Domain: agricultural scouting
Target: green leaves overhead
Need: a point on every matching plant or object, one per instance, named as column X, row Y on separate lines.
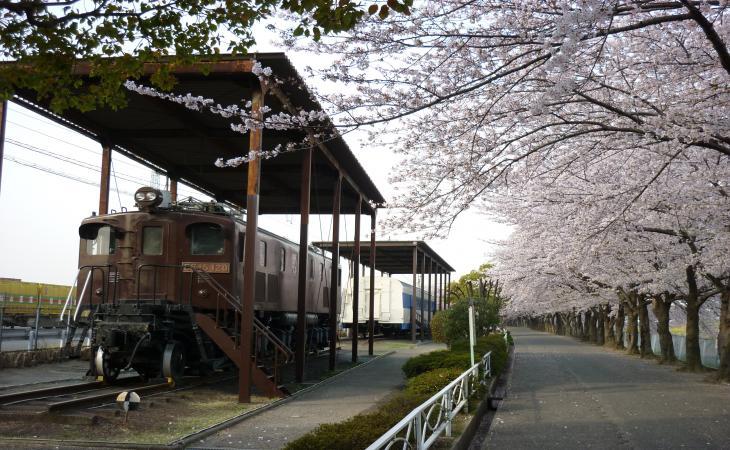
column 116, row 38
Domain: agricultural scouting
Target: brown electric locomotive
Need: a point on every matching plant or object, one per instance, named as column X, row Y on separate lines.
column 150, row 280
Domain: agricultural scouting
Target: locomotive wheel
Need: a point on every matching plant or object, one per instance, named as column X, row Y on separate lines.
column 173, row 361
column 104, row 365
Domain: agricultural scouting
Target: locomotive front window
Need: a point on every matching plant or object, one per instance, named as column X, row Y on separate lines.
column 152, row 241
column 105, row 242
column 206, row 239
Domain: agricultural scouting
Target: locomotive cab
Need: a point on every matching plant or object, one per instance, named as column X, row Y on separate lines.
column 150, row 279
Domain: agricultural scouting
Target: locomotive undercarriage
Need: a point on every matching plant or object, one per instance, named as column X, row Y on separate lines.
column 153, row 339
column 162, row 340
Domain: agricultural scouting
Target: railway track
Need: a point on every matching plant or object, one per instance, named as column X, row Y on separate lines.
column 76, row 396
column 87, row 396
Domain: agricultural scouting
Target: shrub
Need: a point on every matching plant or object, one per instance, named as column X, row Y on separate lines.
column 493, row 342
column 361, row 430
column 438, row 324
column 436, row 360
column 429, row 383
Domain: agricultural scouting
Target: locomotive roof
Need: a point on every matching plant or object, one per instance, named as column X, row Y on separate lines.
column 183, row 143
column 394, row 257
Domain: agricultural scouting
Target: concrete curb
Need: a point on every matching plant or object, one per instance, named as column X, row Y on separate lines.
column 482, row 420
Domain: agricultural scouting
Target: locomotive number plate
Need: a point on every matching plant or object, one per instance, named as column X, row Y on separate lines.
column 210, row 267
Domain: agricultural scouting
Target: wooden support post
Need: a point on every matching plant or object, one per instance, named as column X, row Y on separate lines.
column 301, row 331
column 421, row 329
column 106, row 163
column 430, row 292
column 413, row 293
column 3, row 125
column 356, row 279
column 440, row 281
column 371, row 309
column 251, row 245
column 447, row 299
column 334, row 288
column 173, row 190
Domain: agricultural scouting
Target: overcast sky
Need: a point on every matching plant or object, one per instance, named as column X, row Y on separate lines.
column 50, row 183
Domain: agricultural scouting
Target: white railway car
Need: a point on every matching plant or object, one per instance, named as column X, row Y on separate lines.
column 393, row 300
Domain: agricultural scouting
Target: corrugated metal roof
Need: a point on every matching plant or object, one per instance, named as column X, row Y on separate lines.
column 185, row 143
column 395, row 257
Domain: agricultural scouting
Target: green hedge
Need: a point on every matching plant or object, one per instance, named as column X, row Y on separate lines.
column 436, row 360
column 361, row 430
column 427, row 374
column 458, row 356
column 429, row 383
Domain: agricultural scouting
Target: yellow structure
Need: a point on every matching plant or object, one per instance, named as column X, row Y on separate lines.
column 22, row 297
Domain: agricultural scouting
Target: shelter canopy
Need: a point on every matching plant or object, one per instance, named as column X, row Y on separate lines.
column 394, row 257
column 184, row 144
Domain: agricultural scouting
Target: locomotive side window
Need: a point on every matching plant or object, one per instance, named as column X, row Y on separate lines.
column 321, row 271
column 152, row 241
column 282, row 260
column 311, row 269
column 206, row 239
column 262, row 253
column 105, row 242
column 241, row 243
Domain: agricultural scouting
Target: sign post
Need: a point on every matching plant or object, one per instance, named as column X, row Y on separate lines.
column 471, row 329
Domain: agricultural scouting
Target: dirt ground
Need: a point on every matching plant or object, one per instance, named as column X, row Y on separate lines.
column 159, row 420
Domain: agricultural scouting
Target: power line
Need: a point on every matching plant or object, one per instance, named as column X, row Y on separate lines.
column 123, row 176
column 67, row 159
column 75, row 145
column 54, row 172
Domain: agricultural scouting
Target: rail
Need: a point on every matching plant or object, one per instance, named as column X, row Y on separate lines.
column 422, row 426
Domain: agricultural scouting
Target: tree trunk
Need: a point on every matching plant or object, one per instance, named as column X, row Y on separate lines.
column 559, row 326
column 661, row 311
column 694, row 360
column 608, row 338
column 631, row 329
column 644, row 330
column 600, row 338
column 723, row 338
column 590, row 326
column 619, row 321
column 579, row 325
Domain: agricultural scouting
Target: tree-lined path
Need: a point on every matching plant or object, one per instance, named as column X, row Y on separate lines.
column 571, row 395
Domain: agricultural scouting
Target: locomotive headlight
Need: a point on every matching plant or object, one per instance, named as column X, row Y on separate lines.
column 148, row 197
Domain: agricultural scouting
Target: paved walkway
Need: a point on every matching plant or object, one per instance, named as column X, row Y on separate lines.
column 565, row 394
column 338, row 400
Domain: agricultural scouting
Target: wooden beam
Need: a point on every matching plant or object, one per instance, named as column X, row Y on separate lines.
column 413, row 293
column 371, row 309
column 301, row 330
column 334, row 285
column 356, row 279
column 323, row 148
column 423, row 297
column 3, row 124
column 173, row 190
column 251, row 245
column 106, row 163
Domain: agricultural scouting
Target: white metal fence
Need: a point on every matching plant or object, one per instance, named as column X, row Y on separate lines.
column 422, row 426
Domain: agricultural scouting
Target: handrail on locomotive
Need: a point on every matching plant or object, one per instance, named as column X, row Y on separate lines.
column 262, row 334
